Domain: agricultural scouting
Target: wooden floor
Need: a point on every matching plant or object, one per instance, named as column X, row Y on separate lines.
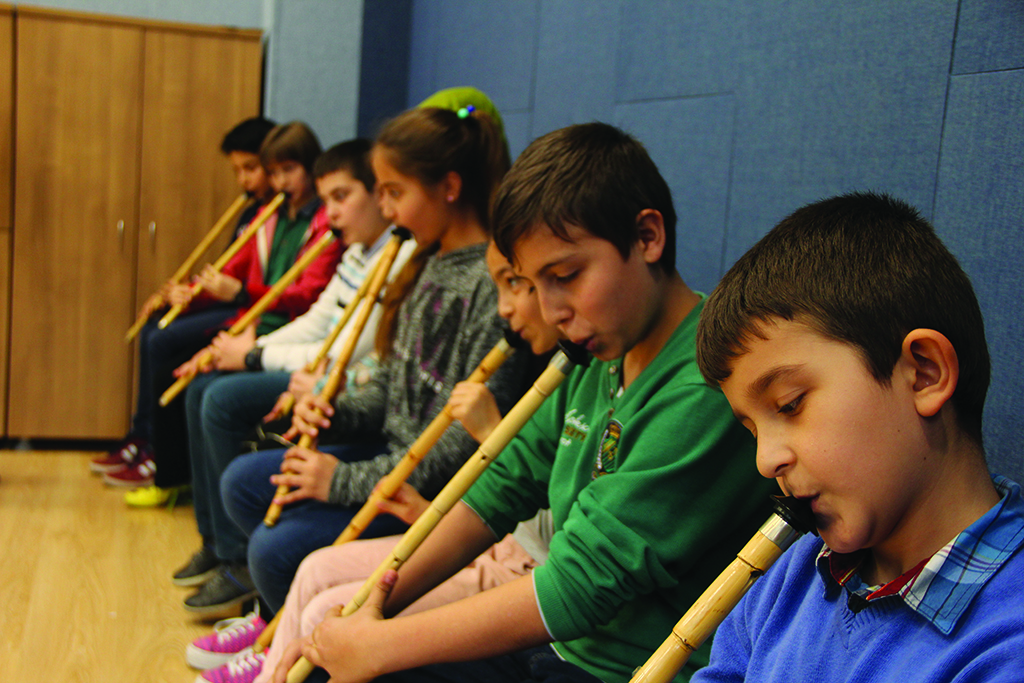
column 85, row 590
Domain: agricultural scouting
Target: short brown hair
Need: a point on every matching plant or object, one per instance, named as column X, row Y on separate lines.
column 352, row 156
column 864, row 269
column 591, row 175
column 293, row 141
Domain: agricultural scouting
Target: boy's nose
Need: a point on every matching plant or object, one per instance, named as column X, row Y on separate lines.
column 552, row 310
column 773, row 458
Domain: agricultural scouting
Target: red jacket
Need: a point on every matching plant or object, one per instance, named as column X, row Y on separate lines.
column 249, row 263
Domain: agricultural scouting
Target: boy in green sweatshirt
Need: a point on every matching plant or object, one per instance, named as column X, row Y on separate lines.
column 651, row 485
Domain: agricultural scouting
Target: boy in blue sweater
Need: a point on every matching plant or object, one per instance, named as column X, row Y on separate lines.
column 850, row 343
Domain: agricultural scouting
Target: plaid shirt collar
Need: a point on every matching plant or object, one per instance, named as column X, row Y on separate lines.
column 942, row 587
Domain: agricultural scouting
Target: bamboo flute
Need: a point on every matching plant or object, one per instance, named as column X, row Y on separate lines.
column 258, row 309
column 265, row 213
column 390, row 484
column 185, row 268
column 792, row 518
column 325, row 349
column 567, row 357
column 336, row 378
column 421, row 446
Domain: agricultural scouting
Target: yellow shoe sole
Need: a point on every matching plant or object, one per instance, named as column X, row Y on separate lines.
column 149, row 496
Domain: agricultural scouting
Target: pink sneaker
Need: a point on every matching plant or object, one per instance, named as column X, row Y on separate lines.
column 229, row 638
column 139, row 473
column 119, row 458
column 242, row 669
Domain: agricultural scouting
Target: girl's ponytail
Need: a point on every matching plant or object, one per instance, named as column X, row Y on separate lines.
column 427, row 144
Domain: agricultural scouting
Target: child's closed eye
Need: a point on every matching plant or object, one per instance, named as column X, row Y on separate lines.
column 793, row 406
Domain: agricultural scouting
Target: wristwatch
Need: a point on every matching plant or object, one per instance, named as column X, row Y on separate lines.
column 254, row 359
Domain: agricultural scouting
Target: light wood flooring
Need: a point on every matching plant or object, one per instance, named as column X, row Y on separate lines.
column 85, row 590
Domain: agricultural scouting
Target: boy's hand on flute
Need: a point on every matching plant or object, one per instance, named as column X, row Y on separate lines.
column 291, row 653
column 217, row 284
column 179, row 295
column 312, row 413
column 473, row 404
column 300, row 384
column 307, row 473
column 230, row 350
column 192, row 366
column 303, row 382
column 153, row 304
column 407, row 504
column 277, row 412
column 349, row 648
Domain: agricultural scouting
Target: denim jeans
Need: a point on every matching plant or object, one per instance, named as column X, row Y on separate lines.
column 186, row 335
column 221, row 409
column 535, row 665
column 275, row 552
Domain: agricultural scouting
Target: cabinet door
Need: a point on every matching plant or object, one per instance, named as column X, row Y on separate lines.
column 6, row 111
column 75, row 223
column 186, row 182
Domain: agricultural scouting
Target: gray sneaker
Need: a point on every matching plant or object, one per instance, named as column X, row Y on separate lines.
column 200, row 569
column 230, row 586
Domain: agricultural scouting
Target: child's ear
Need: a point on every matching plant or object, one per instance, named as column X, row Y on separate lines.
column 650, row 227
column 931, row 359
column 451, row 187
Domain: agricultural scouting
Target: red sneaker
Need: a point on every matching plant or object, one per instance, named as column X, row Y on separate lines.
column 119, row 458
column 139, row 473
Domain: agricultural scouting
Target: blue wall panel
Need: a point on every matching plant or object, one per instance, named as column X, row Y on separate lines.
column 575, row 80
column 755, row 107
column 848, row 101
column 690, row 140
column 979, row 209
column 673, row 49
column 490, row 45
column 990, row 36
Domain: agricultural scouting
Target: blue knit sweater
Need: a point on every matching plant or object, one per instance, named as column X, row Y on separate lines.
column 795, row 624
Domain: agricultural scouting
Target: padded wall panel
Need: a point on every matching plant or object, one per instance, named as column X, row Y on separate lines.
column 427, row 38
column 384, row 63
column 517, row 130
column 490, row 45
column 857, row 105
column 575, row 71
column 313, row 78
column 689, row 139
column 979, row 210
column 671, row 49
column 990, row 36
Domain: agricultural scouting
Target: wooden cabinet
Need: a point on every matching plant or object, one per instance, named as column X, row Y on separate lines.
column 185, row 181
column 6, row 163
column 117, row 175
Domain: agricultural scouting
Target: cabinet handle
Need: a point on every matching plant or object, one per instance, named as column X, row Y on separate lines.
column 120, row 231
column 152, row 232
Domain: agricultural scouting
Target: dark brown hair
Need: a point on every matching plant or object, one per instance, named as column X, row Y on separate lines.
column 293, row 141
column 247, row 136
column 864, row 269
column 591, row 175
column 352, row 156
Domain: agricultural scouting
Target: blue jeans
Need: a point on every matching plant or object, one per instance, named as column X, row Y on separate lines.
column 221, row 409
column 535, row 665
column 275, row 552
column 159, row 351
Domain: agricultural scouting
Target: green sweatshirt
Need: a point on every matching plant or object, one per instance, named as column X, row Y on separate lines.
column 637, row 544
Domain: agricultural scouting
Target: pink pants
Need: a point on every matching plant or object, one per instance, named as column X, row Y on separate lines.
column 331, row 576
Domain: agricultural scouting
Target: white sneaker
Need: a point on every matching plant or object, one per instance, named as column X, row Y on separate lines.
column 230, row 638
column 242, row 669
